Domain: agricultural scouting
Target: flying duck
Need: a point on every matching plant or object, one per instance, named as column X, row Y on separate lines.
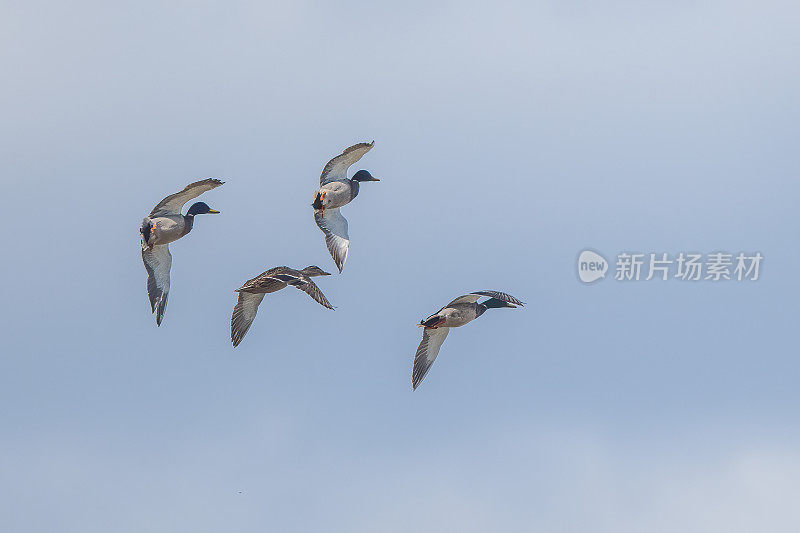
column 274, row 279
column 336, row 190
column 162, row 226
column 460, row 311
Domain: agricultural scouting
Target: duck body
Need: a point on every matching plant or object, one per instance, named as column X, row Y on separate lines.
column 276, row 279
column 165, row 229
column 457, row 313
column 165, row 224
column 337, row 190
column 252, row 292
column 335, row 194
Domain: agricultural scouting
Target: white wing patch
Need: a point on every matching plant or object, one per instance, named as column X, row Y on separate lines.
column 336, row 169
column 158, row 262
column 427, row 351
column 243, row 314
column 334, row 226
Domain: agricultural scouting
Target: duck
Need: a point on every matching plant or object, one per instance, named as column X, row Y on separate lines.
column 272, row 280
column 336, row 190
column 460, row 311
column 166, row 224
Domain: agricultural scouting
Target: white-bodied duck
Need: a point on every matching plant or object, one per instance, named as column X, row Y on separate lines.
column 163, row 225
column 336, row 190
column 460, row 311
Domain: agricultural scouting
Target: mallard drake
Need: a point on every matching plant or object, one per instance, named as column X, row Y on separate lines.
column 274, row 279
column 162, row 226
column 336, row 190
column 460, row 311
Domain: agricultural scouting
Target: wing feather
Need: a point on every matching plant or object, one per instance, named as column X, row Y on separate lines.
column 334, row 226
column 243, row 314
column 432, row 339
column 310, row 288
column 476, row 295
column 172, row 204
column 157, row 262
column 306, row 285
column 336, row 169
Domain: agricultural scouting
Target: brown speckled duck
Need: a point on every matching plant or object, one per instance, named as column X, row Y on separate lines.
column 273, row 280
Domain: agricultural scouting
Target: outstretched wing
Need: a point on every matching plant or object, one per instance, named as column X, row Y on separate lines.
column 310, row 288
column 334, row 226
column 336, row 169
column 157, row 262
column 475, row 296
column 427, row 351
column 172, row 204
column 305, row 285
column 243, row 314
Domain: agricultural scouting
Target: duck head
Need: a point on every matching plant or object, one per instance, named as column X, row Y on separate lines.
column 200, row 208
column 364, row 175
column 314, row 270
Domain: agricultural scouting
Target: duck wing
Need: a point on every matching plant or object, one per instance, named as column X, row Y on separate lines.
column 172, row 204
column 157, row 261
column 336, row 169
column 475, row 296
column 334, row 226
column 307, row 286
column 243, row 314
column 432, row 339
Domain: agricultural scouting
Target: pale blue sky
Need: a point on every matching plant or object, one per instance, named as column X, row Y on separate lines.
column 508, row 137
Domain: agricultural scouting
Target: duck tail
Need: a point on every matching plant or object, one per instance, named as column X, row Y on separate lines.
column 317, row 201
column 432, row 321
column 145, row 231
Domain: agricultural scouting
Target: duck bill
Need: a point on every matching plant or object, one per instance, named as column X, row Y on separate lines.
column 213, row 212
